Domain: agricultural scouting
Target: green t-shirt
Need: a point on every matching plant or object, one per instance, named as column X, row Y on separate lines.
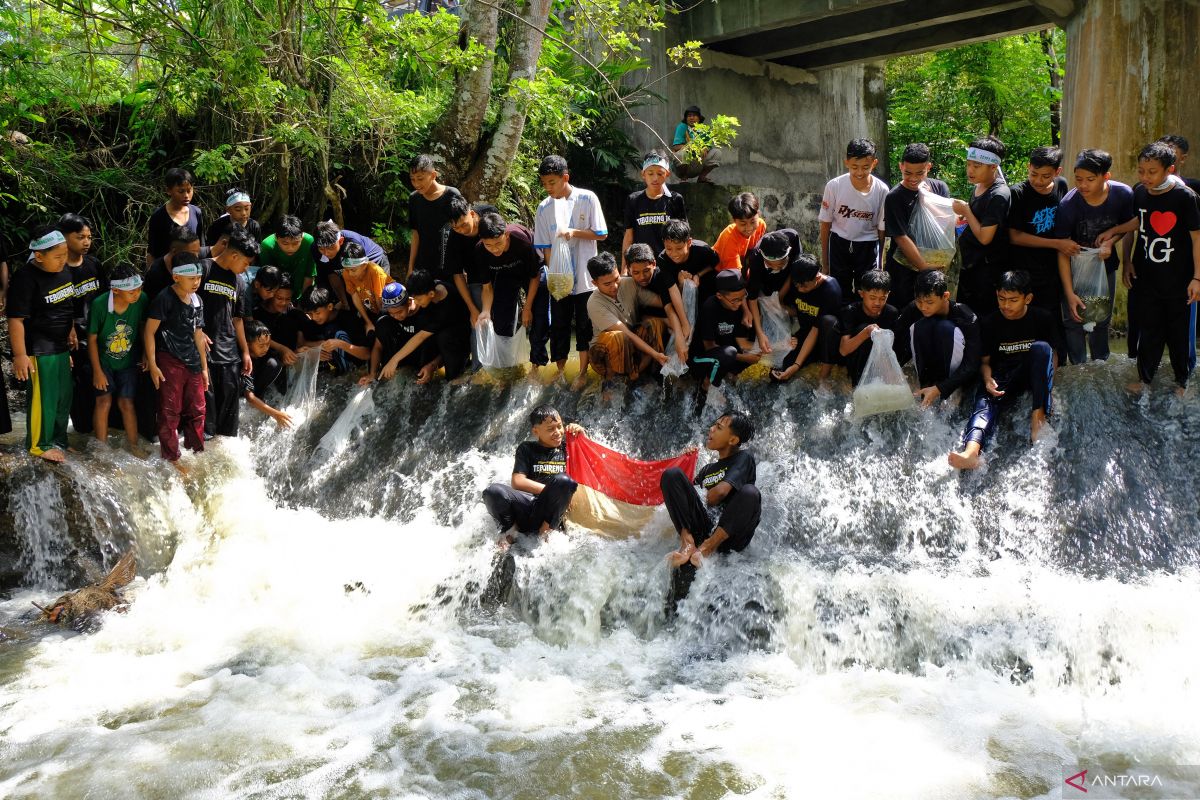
column 119, row 336
column 300, row 265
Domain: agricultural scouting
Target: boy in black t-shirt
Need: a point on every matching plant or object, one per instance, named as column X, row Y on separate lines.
column 904, row 259
column 226, row 305
column 41, row 314
column 428, row 213
column 984, row 242
column 177, row 210
column 815, row 300
column 645, row 272
column 508, row 265
column 725, row 520
column 941, row 336
column 1019, row 346
column 858, row 321
column 722, row 342
column 647, row 211
column 238, row 209
column 1031, row 218
column 537, row 497
column 267, row 369
column 1164, row 274
column 179, row 367
column 86, row 274
column 401, row 338
column 686, row 259
column 767, row 270
column 343, row 343
column 439, row 313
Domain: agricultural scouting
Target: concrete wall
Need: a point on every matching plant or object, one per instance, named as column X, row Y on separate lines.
column 794, row 126
column 1130, row 64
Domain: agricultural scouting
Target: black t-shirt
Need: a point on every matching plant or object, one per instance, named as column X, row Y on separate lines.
column 179, row 322
column 700, row 257
column 990, row 208
column 158, row 231
column 346, row 321
column 1162, row 251
column 825, row 299
column 285, row 328
column 225, row 222
column 966, row 322
column 1033, row 213
column 225, row 297
column 266, row 371
column 393, row 334
column 458, row 252
column 738, row 470
column 516, row 267
column 660, row 286
column 538, row 463
column 45, row 302
column 897, row 212
column 853, row 319
column 1192, row 183
column 716, row 323
column 1007, row 341
column 647, row 218
column 760, row 279
column 88, row 285
column 428, row 218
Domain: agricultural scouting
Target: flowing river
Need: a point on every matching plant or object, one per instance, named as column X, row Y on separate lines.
column 313, row 617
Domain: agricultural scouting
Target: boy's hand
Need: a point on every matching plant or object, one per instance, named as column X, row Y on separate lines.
column 684, row 275
column 1127, row 276
column 928, row 396
column 475, row 317
column 483, row 316
column 992, row 387
column 73, row 339
column 370, row 327
column 567, row 233
column 100, row 381
column 681, row 351
column 282, row 419
column 207, row 344
column 329, row 345
column 289, row 356
column 22, row 367
column 389, row 371
column 527, row 317
column 156, row 376
column 763, row 344
column 207, row 379
column 753, row 358
column 1194, row 291
column 247, row 364
column 1075, row 306
column 661, row 358
column 144, row 365
column 1067, row 247
column 366, row 380
column 576, row 429
column 425, row 374
column 960, row 207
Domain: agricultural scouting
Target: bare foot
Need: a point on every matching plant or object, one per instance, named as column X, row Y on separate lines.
column 1137, row 387
column 968, row 459
column 505, row 541
column 180, row 468
column 1180, row 392
column 53, row 455
column 137, row 452
column 1036, row 421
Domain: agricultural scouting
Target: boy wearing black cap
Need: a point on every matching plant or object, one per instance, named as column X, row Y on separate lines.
column 725, row 521
column 399, row 336
column 722, row 341
column 815, row 300
column 540, row 491
column 767, row 273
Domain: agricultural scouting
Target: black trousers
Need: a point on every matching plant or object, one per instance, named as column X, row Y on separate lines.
column 453, row 344
column 715, row 364
column 5, row 418
column 739, row 519
column 825, row 351
column 903, row 282
column 937, row 349
column 849, row 260
column 83, row 394
column 509, row 506
column 1165, row 321
column 221, row 399
column 977, row 288
column 554, row 321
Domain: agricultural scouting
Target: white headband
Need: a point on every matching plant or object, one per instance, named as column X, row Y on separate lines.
column 52, row 239
column 983, row 156
column 237, row 197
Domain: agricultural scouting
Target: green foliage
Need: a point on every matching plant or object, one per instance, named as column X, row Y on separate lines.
column 946, row 99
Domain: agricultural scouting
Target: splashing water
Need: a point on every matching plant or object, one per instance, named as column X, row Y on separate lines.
column 894, row 630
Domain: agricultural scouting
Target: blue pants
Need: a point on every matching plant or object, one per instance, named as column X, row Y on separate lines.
column 1035, row 376
column 510, row 507
column 1079, row 341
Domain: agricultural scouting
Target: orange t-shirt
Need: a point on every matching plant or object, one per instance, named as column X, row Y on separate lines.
column 731, row 245
column 368, row 288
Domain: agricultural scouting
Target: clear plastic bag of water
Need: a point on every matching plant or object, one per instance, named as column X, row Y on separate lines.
column 560, row 272
column 674, row 366
column 501, row 352
column 337, row 438
column 883, row 387
column 932, row 230
column 777, row 327
column 1090, row 281
column 302, row 380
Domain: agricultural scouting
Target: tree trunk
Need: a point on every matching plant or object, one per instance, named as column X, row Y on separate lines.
column 1047, row 38
column 488, row 175
column 456, row 137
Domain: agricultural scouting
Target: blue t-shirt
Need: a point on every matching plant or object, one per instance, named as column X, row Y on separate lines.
column 1082, row 222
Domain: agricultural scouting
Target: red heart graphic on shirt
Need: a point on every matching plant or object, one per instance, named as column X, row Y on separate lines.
column 1162, row 222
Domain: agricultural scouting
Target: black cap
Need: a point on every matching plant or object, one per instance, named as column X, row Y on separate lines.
column 729, row 280
column 692, row 110
column 775, row 246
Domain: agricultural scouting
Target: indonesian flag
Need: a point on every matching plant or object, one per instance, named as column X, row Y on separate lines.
column 616, row 493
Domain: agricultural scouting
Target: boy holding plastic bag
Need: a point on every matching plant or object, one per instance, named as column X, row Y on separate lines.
column 624, row 340
column 1020, row 343
column 901, row 207
column 645, row 272
column 858, row 322
column 768, row 278
column 566, row 228
column 507, row 264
